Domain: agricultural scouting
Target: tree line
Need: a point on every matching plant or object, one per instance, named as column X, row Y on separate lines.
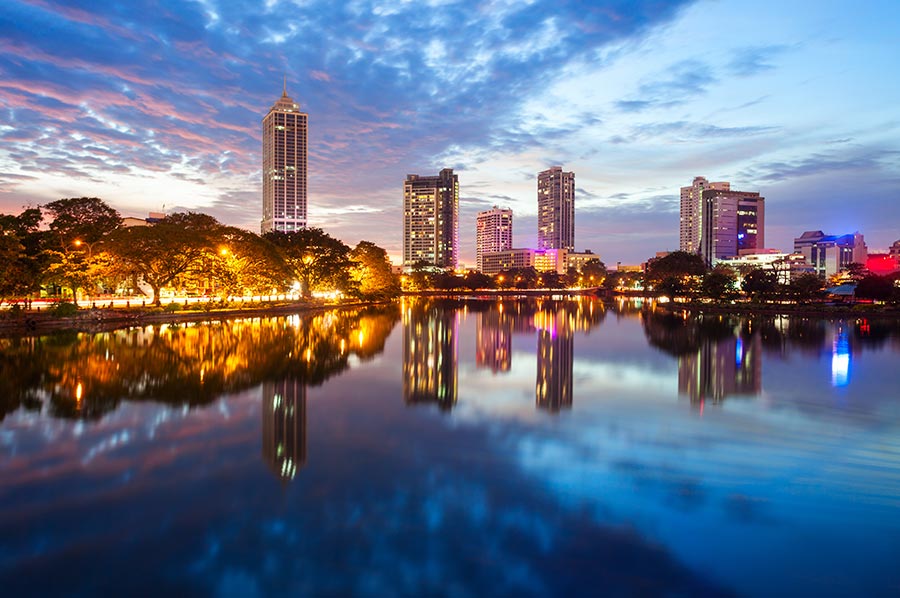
column 80, row 244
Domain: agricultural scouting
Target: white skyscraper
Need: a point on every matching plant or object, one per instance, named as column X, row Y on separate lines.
column 692, row 212
column 284, row 166
column 494, row 233
column 556, row 209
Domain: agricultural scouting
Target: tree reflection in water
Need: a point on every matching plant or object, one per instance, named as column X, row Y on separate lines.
column 84, row 376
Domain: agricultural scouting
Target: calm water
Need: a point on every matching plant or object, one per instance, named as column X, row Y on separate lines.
column 455, row 448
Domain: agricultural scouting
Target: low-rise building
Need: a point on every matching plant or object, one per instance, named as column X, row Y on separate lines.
column 830, row 254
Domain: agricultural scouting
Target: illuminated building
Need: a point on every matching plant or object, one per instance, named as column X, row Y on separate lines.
column 542, row 260
column 692, row 212
column 493, row 339
column 555, row 358
column 431, row 219
column 494, row 233
column 732, row 222
column 895, row 250
column 556, row 209
column 430, row 354
column 284, row 138
column 284, row 427
column 830, row 254
column 721, row 368
column 787, row 266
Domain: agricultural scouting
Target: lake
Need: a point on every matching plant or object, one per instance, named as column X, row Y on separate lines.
column 455, row 448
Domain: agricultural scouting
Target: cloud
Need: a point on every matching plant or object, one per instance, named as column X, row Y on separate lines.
column 754, row 60
column 671, row 87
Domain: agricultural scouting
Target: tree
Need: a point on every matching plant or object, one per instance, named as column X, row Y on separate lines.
column 246, row 262
column 593, row 273
column 676, row 272
column 872, row 286
column 806, row 286
column 315, row 258
column 478, row 280
column 20, row 254
column 371, row 272
column 169, row 248
column 719, row 283
column 760, row 284
column 77, row 226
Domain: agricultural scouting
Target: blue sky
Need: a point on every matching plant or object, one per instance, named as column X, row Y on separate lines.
column 153, row 105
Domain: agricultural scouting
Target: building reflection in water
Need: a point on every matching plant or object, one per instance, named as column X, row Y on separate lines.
column 493, row 339
column 722, row 367
column 430, row 353
column 555, row 357
column 840, row 356
column 555, row 323
column 284, row 427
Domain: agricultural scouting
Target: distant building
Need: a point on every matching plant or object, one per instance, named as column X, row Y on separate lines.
column 494, row 233
column 692, row 212
column 787, row 266
column 830, row 254
column 895, row 250
column 577, row 260
column 541, row 260
column 431, row 219
column 556, row 209
column 284, row 139
column 732, row 222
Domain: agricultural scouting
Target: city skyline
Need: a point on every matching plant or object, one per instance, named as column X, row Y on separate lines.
column 802, row 114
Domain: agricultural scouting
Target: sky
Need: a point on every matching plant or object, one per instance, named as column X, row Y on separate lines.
column 157, row 106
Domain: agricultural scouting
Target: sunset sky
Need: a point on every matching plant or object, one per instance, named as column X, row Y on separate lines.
column 157, row 106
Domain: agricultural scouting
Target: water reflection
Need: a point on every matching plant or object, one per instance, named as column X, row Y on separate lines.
column 284, row 427
column 430, row 353
column 660, row 501
column 85, row 376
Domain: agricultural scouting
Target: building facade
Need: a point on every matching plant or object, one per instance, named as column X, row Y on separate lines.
column 556, row 209
column 732, row 222
column 284, row 167
column 431, row 219
column 494, row 233
column 692, row 212
column 830, row 254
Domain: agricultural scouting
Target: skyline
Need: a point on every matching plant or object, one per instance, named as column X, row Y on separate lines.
column 145, row 107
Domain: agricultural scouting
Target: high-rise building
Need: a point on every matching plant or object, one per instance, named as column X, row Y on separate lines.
column 692, row 212
column 733, row 223
column 284, row 167
column 494, row 233
column 431, row 219
column 556, row 209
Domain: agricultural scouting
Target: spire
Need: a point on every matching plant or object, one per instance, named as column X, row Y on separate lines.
column 284, row 89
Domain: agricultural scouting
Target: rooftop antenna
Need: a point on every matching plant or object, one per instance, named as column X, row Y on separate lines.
column 284, row 90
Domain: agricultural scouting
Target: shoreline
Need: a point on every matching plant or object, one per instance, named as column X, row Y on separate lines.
column 107, row 319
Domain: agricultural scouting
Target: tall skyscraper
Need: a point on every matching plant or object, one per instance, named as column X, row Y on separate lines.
column 556, row 209
column 494, row 233
column 284, row 166
column 431, row 219
column 692, row 212
column 733, row 222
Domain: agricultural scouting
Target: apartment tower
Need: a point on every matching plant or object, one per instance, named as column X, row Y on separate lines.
column 431, row 219
column 733, row 224
column 556, row 209
column 284, row 167
column 494, row 233
column 692, row 212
